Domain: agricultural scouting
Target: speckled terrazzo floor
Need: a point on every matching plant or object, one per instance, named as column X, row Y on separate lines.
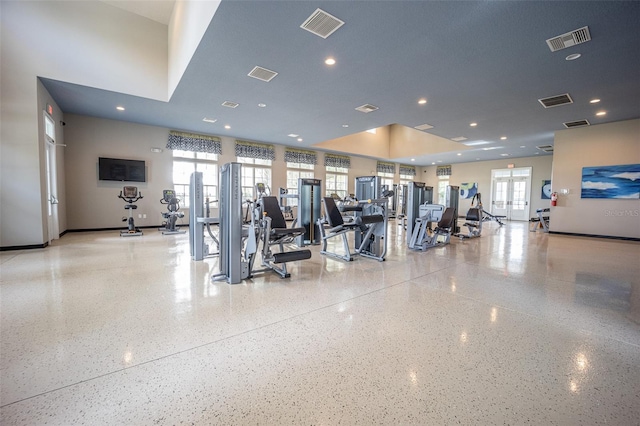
column 511, row 328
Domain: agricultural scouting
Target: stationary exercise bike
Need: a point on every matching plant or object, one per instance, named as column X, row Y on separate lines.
column 130, row 195
column 172, row 214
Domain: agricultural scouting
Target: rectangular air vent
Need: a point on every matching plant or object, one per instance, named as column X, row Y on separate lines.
column 554, row 101
column 424, row 127
column 367, row 108
column 262, row 74
column 230, row 104
column 210, row 120
column 322, row 23
column 577, row 123
column 579, row 36
column 545, row 148
column 459, row 139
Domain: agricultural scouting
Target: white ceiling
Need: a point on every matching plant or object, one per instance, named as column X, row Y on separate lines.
column 156, row 10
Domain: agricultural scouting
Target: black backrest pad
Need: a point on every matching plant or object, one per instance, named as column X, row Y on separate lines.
column 447, row 218
column 331, row 211
column 272, row 208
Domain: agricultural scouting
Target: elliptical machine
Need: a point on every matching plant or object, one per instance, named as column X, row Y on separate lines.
column 130, row 195
column 172, row 214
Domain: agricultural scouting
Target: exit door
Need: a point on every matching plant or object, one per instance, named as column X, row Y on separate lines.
column 511, row 192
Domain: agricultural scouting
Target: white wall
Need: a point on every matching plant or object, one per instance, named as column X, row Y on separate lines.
column 605, row 144
column 189, row 21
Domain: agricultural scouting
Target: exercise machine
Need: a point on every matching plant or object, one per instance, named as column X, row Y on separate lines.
column 417, row 194
column 130, row 195
column 370, row 241
column 452, row 198
column 541, row 220
column 172, row 214
column 239, row 243
column 367, row 226
column 273, row 231
column 198, row 248
column 474, row 218
column 423, row 237
column 309, row 210
column 283, row 196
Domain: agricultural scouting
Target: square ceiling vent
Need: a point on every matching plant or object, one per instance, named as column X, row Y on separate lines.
column 322, row 23
column 262, row 74
column 579, row 36
column 230, row 104
column 545, row 148
column 577, row 123
column 554, row 101
column 367, row 108
column 424, row 127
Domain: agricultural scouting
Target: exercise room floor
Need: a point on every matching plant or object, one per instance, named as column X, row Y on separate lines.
column 515, row 327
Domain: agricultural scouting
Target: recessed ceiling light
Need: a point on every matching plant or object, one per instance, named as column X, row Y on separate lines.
column 459, row 154
column 120, row 108
column 489, row 148
column 422, row 101
column 330, row 61
column 477, row 158
column 600, row 113
column 573, row 57
column 475, row 143
column 522, row 146
column 226, row 126
column 262, row 105
column 594, row 101
column 433, row 163
column 439, row 161
column 209, row 120
column 299, row 139
column 503, row 138
column 345, row 125
column 413, row 159
column 504, row 155
column 293, row 135
column 473, row 124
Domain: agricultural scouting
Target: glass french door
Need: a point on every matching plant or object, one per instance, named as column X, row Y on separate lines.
column 510, row 193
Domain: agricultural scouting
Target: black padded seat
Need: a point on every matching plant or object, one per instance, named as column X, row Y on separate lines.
column 448, row 217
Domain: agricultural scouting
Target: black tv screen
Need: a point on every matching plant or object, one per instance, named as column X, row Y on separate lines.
column 121, row 170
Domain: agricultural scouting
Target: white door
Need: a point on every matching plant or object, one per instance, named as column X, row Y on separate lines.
column 50, row 166
column 510, row 193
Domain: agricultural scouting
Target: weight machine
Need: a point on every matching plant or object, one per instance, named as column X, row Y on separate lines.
column 309, row 210
column 198, row 221
column 417, row 194
column 474, row 218
column 423, row 237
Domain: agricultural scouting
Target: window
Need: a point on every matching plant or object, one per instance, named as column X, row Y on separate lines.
column 386, row 179
column 442, row 190
column 297, row 171
column 336, row 181
column 405, row 179
column 254, row 170
column 187, row 162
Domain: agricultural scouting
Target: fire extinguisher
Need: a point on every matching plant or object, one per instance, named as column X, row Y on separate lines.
column 554, row 199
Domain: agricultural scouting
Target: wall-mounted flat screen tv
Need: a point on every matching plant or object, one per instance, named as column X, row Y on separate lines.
column 121, row 170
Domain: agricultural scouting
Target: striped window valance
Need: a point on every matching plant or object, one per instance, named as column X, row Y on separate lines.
column 260, row 151
column 192, row 142
column 333, row 160
column 443, row 171
column 384, row 167
column 293, row 155
column 407, row 170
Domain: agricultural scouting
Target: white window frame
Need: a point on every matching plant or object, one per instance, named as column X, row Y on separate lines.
column 296, row 171
column 336, row 174
column 443, row 182
column 203, row 162
column 254, row 170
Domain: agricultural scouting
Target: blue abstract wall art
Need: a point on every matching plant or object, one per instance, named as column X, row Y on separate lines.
column 468, row 190
column 621, row 182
